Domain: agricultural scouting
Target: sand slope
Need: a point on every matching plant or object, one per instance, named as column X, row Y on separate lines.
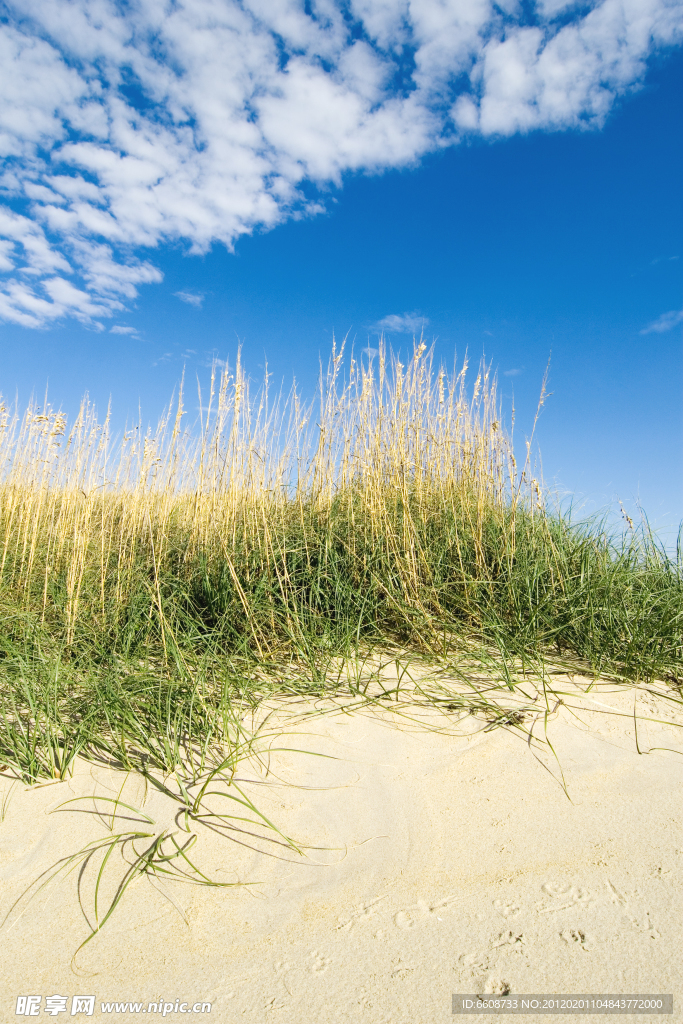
column 445, row 863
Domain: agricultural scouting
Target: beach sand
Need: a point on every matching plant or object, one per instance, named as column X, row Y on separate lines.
column 438, row 859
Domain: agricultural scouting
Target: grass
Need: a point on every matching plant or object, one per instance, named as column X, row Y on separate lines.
column 154, row 586
column 157, row 589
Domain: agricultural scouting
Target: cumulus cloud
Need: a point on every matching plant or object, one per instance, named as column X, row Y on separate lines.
column 131, row 126
column 192, row 298
column 402, row 323
column 665, row 322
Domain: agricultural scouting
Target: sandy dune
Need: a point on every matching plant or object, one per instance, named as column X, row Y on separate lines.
column 438, row 859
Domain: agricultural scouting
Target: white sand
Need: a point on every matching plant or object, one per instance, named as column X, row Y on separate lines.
column 447, row 863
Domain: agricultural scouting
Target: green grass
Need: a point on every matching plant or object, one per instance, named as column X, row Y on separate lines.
column 163, row 677
column 160, row 593
column 153, row 590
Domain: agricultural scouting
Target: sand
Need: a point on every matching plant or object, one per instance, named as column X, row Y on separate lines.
column 439, row 859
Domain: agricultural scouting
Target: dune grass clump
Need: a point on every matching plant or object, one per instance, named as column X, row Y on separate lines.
column 152, row 584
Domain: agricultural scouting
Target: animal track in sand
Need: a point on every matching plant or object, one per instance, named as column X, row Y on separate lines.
column 281, row 969
column 363, row 912
column 563, row 897
column 576, row 937
column 642, row 922
column 365, row 999
column 603, row 853
column 475, row 960
column 320, row 963
column 509, row 939
column 276, row 1003
column 423, row 911
column 401, row 971
column 420, row 912
column 496, row 987
column 506, row 909
column 481, row 958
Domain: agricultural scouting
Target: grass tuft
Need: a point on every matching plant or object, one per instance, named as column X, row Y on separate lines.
column 154, row 586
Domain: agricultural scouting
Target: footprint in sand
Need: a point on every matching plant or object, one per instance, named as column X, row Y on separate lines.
column 401, row 971
column 363, row 912
column 320, row 963
column 563, row 897
column 496, row 987
column 424, row 912
column 506, row 909
column 515, row 940
column 276, row 1003
column 576, row 937
column 640, row 923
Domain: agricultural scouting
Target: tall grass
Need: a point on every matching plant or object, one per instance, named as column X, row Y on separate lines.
column 231, row 522
column 145, row 580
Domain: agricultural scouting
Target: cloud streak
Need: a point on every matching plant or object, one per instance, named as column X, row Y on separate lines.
column 191, row 298
column 402, row 323
column 665, row 322
column 125, row 127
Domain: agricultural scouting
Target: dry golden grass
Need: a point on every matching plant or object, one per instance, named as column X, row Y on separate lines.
column 389, row 510
column 75, row 503
column 154, row 584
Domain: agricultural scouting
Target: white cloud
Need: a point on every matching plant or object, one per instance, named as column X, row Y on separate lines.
column 665, row 322
column 122, row 329
column 193, row 298
column 135, row 125
column 512, row 373
column 402, row 323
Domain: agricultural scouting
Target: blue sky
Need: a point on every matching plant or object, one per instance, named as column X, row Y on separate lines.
column 179, row 178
